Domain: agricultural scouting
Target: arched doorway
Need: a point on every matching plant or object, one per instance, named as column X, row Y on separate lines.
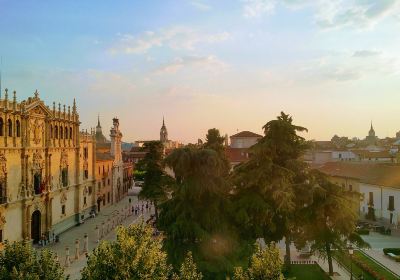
column 35, row 226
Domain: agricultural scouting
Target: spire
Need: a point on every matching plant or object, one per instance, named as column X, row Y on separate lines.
column 98, row 120
column 372, row 128
column 163, row 123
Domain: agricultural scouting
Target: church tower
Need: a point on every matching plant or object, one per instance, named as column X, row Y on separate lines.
column 116, row 139
column 100, row 138
column 371, row 132
column 163, row 133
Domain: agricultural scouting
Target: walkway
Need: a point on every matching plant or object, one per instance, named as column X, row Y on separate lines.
column 110, row 216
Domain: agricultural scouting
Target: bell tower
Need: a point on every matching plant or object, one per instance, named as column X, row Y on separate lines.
column 163, row 133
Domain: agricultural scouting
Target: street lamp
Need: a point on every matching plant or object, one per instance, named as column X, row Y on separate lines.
column 351, row 261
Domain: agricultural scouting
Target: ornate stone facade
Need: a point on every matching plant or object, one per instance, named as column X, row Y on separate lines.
column 46, row 169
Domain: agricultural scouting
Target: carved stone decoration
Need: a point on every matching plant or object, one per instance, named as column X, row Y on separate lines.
column 37, row 161
column 85, row 165
column 2, row 220
column 3, row 167
column 36, row 131
column 63, row 198
column 64, row 159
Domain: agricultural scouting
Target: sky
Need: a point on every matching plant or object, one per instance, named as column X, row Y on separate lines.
column 234, row 65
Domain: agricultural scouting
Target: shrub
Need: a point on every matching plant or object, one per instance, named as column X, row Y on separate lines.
column 395, row 251
column 363, row 231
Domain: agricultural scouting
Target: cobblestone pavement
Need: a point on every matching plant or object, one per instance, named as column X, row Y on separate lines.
column 111, row 216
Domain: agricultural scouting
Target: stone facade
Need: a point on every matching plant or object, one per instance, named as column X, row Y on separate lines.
column 46, row 169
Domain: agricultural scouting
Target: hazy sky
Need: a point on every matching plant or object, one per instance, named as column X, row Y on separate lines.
column 332, row 64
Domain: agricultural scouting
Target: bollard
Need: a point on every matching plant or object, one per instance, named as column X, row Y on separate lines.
column 76, row 249
column 108, row 225
column 102, row 230
column 67, row 261
column 97, row 233
column 86, row 243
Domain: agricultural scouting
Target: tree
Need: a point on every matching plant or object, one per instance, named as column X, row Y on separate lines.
column 155, row 178
column 197, row 216
column 136, row 254
column 20, row 261
column 214, row 140
column 188, row 270
column 271, row 188
column 265, row 264
column 331, row 218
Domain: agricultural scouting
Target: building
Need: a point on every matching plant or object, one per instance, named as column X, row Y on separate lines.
column 378, row 184
column 109, row 166
column 46, row 169
column 238, row 151
column 371, row 139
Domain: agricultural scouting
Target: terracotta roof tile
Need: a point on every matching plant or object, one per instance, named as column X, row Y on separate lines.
column 387, row 175
column 247, row 134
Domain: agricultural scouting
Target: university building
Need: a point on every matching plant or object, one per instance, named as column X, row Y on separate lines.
column 47, row 169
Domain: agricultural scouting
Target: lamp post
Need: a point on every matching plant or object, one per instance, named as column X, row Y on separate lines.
column 351, row 261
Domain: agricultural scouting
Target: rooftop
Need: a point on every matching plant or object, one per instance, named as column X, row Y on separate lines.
column 387, row 175
column 246, row 134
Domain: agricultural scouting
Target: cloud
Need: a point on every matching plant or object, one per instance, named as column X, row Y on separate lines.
column 365, row 53
column 178, row 38
column 361, row 14
column 200, row 6
column 330, row 14
column 207, row 63
column 257, row 8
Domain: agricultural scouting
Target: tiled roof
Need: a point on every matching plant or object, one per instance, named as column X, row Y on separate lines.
column 104, row 156
column 246, row 134
column 369, row 154
column 387, row 175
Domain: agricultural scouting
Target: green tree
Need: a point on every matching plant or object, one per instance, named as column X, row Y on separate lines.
column 188, row 270
column 214, row 140
column 271, row 188
column 265, row 264
column 20, row 261
column 136, row 254
column 197, row 217
column 331, row 218
column 156, row 181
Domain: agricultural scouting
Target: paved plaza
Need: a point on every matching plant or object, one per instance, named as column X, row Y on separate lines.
column 115, row 214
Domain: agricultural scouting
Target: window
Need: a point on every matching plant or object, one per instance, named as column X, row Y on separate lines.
column 85, row 153
column 84, row 200
column 86, row 174
column 70, row 133
column 61, row 133
column 10, row 128
column 18, row 128
column 1, row 235
column 3, row 194
column 108, row 197
column 63, row 210
column 64, row 177
column 90, row 190
column 37, row 178
column 51, row 132
column 1, row 127
column 56, row 132
column 371, row 199
column 391, row 203
column 350, row 188
column 108, row 183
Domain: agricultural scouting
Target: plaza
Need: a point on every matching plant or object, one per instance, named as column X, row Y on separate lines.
column 119, row 213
